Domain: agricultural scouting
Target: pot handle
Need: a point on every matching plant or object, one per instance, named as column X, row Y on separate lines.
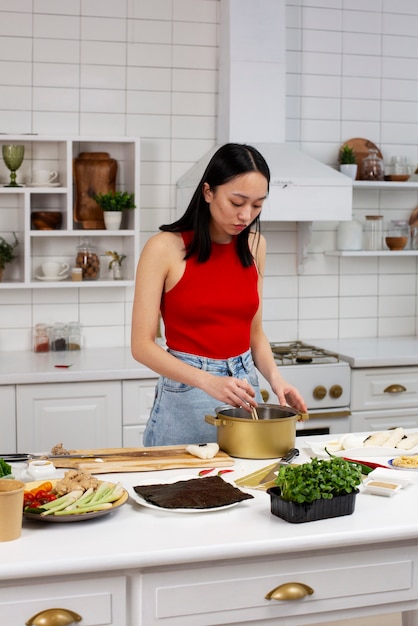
column 303, row 417
column 210, row 419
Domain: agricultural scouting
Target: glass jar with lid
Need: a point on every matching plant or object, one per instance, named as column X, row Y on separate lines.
column 88, row 259
column 350, row 235
column 59, row 337
column 372, row 167
column 41, row 338
column 74, row 336
column 397, row 235
column 374, row 232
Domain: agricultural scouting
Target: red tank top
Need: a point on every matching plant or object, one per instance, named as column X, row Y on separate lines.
column 210, row 310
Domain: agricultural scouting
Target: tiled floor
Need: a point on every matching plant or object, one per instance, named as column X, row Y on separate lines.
column 391, row 619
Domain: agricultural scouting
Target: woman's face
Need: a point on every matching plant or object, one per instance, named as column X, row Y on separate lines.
column 234, row 205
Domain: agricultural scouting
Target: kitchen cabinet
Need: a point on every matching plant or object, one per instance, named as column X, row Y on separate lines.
column 37, row 246
column 97, row 600
column 236, row 593
column 384, row 397
column 79, row 415
column 7, row 418
column 137, row 400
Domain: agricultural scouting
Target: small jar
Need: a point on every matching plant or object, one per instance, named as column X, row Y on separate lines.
column 41, row 338
column 74, row 336
column 397, row 235
column 59, row 337
column 76, row 274
column 374, row 232
column 350, row 235
column 88, row 260
column 372, row 167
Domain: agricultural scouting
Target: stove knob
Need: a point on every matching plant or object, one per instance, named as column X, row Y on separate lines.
column 336, row 391
column 319, row 392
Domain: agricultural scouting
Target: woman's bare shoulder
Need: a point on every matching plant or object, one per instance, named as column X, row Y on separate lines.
column 164, row 242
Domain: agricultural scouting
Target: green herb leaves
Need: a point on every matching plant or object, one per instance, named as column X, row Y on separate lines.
column 321, row 478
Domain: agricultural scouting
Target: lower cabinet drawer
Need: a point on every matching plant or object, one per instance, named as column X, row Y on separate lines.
column 98, row 601
column 235, row 594
column 384, row 388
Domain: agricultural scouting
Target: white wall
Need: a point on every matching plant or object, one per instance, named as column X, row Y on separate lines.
column 149, row 69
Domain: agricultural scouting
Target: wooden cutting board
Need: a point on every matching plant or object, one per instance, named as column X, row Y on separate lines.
column 140, row 460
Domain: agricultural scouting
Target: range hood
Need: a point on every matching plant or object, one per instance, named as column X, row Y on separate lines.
column 251, row 109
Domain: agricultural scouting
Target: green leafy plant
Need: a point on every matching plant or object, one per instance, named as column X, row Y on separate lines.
column 347, row 156
column 7, row 251
column 5, row 468
column 321, row 478
column 116, row 258
column 115, row 201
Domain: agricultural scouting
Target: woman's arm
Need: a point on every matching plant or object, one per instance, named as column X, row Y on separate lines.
column 260, row 346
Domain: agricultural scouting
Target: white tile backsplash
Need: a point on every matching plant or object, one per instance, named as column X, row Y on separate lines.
column 149, row 69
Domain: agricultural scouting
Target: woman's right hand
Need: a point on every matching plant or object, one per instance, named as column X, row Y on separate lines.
column 233, row 391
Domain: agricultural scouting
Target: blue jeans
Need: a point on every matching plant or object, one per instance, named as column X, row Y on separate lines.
column 178, row 413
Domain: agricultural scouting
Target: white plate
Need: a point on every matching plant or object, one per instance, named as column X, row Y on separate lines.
column 318, row 448
column 408, row 469
column 43, row 184
column 52, row 278
column 149, row 505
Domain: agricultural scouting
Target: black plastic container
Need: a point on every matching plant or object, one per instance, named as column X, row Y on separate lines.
column 296, row 513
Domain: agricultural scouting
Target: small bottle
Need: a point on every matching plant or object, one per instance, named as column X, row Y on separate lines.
column 374, row 232
column 76, row 274
column 74, row 336
column 350, row 235
column 41, row 338
column 59, row 337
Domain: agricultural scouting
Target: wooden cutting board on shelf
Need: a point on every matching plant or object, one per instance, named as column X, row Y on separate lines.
column 109, row 460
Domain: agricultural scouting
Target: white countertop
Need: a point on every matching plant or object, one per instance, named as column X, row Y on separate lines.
column 135, row 536
column 86, row 365
column 373, row 352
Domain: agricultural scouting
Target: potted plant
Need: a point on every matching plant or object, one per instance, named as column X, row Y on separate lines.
column 316, row 490
column 7, row 253
column 115, row 265
column 348, row 161
column 113, row 205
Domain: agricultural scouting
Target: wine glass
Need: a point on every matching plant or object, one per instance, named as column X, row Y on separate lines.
column 13, row 157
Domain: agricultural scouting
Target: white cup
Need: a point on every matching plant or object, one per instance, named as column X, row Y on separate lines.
column 44, row 177
column 53, row 269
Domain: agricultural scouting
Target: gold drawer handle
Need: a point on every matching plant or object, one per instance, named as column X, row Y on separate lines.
column 54, row 617
column 395, row 389
column 290, row 591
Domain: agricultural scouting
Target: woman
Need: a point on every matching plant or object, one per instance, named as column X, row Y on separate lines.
column 204, row 273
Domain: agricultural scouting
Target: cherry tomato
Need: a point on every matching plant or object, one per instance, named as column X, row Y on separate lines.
column 28, row 496
column 41, row 494
column 51, row 496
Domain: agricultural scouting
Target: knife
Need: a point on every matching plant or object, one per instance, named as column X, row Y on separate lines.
column 16, row 457
column 285, row 460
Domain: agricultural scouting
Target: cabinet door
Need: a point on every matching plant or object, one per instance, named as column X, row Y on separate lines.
column 78, row 415
column 137, row 400
column 7, row 419
column 97, row 601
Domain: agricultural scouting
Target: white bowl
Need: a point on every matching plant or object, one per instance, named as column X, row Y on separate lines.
column 41, row 469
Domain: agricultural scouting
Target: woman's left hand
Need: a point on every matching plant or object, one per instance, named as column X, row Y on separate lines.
column 289, row 395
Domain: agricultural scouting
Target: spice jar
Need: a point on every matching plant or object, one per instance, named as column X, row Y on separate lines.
column 397, row 235
column 58, row 337
column 372, row 167
column 88, row 260
column 74, row 336
column 374, row 232
column 41, row 338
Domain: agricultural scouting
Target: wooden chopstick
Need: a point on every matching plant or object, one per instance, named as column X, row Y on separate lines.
column 254, row 413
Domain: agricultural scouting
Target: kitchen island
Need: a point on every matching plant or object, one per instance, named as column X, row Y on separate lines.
column 142, row 567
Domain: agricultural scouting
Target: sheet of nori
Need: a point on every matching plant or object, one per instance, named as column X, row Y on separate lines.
column 197, row 493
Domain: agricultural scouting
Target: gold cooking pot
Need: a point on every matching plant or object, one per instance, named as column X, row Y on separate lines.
column 269, row 437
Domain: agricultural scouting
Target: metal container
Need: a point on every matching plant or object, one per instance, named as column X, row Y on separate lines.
column 269, row 437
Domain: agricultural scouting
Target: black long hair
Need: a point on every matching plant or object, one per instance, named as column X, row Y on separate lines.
column 229, row 161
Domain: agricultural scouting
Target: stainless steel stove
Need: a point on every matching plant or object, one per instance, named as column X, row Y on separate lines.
column 322, row 378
